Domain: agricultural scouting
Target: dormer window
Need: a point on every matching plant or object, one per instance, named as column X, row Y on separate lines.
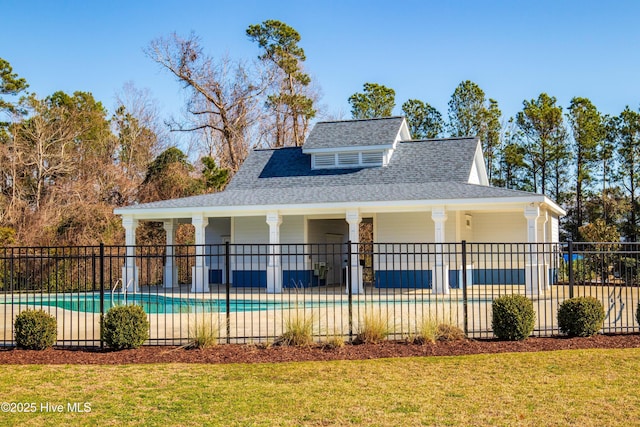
column 350, row 159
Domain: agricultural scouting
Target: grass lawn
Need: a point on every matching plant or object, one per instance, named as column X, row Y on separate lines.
column 581, row 387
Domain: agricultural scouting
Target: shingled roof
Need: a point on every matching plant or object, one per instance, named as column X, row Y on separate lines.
column 446, row 160
column 353, row 133
column 436, row 169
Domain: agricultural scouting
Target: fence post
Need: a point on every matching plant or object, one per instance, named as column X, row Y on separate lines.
column 571, row 278
column 101, row 266
column 465, row 308
column 227, row 274
column 350, row 290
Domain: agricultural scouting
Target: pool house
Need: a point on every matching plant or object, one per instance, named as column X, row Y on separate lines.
column 294, row 217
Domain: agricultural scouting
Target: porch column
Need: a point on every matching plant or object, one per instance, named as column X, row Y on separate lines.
column 440, row 273
column 355, row 280
column 274, row 268
column 130, row 270
column 534, row 275
column 170, row 270
column 544, row 259
column 200, row 272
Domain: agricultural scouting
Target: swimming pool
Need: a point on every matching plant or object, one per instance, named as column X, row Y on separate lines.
column 160, row 304
column 153, row 304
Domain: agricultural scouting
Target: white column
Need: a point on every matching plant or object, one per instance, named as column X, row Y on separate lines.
column 533, row 273
column 544, row 259
column 170, row 270
column 274, row 268
column 130, row 270
column 200, row 272
column 355, row 281
column 440, row 272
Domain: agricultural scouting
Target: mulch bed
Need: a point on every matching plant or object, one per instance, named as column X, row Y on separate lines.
column 235, row 353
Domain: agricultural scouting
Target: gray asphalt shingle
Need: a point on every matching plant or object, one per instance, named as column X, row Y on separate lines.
column 353, row 133
column 436, row 169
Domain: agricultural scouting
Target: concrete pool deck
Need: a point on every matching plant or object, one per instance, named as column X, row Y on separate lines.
column 404, row 308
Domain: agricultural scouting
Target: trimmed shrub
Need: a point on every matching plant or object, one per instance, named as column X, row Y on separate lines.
column 513, row 317
column 580, row 317
column 35, row 330
column 125, row 326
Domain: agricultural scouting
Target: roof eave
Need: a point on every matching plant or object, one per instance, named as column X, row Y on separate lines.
column 497, row 203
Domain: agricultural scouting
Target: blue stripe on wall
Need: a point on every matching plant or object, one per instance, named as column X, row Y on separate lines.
column 250, row 278
column 499, row 276
column 406, row 279
column 454, row 279
column 215, row 276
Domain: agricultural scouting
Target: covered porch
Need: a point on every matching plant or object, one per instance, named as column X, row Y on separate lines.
column 408, row 247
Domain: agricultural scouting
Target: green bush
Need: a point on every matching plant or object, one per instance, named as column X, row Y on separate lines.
column 513, row 317
column 35, row 330
column 125, row 326
column 581, row 316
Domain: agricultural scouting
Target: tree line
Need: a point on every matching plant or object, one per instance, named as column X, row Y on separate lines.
column 66, row 162
column 586, row 161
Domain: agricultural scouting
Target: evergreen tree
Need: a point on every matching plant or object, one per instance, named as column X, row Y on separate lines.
column 588, row 133
column 373, row 102
column 470, row 115
column 542, row 126
column 424, row 121
column 628, row 153
column 291, row 104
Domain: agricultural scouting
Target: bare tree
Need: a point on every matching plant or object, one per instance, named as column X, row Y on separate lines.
column 223, row 95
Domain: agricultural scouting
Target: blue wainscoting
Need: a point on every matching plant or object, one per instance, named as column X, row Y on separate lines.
column 300, row 279
column 455, row 281
column 406, row 279
column 215, row 276
column 412, row 279
column 250, row 278
column 499, row 276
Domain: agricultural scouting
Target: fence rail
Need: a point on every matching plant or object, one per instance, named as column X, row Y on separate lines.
column 248, row 292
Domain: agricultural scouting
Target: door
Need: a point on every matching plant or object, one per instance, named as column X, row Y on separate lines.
column 335, row 258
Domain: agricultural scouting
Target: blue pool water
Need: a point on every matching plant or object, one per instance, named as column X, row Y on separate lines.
column 160, row 304
column 152, row 304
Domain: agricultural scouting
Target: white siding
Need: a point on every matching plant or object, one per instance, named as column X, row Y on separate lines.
column 250, row 230
column 410, row 227
column 292, row 240
column 292, row 229
column 474, row 178
column 555, row 231
column 499, row 227
column 466, row 233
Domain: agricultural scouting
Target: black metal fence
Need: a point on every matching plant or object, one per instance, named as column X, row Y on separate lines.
column 252, row 292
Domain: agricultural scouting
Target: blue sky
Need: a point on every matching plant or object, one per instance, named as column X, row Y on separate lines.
column 422, row 49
